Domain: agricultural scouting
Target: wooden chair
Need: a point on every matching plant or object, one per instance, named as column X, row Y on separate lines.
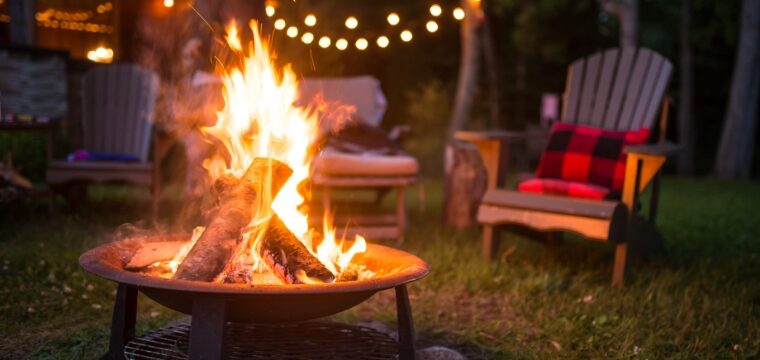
column 343, row 171
column 616, row 89
column 118, row 102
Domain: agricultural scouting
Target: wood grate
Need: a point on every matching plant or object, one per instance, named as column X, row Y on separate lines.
column 306, row 340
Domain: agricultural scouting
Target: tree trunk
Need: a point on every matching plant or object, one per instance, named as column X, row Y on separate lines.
column 489, row 55
column 466, row 182
column 685, row 123
column 468, row 68
column 627, row 12
column 23, row 23
column 737, row 142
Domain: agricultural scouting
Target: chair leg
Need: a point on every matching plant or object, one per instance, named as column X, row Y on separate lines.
column 490, row 241
column 620, row 267
column 400, row 214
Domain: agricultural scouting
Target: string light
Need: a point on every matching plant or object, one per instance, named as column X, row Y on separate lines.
column 352, row 23
column 361, row 43
column 406, row 36
column 168, row 3
column 458, row 13
column 431, row 26
column 307, row 38
column 383, row 41
column 279, row 24
column 269, row 10
column 292, row 31
column 436, row 10
column 101, row 55
column 324, row 42
column 341, row 44
column 393, row 19
column 310, row 20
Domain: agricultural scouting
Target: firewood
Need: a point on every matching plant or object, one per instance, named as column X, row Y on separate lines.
column 153, row 252
column 236, row 198
column 285, row 255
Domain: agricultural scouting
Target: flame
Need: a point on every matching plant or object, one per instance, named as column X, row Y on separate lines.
column 260, row 120
column 182, row 253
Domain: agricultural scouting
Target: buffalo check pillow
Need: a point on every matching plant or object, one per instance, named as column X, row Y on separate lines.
column 586, row 155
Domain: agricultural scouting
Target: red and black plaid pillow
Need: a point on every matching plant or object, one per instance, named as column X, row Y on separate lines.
column 589, row 155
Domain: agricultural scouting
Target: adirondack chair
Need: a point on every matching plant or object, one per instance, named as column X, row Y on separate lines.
column 616, row 89
column 335, row 170
column 118, row 102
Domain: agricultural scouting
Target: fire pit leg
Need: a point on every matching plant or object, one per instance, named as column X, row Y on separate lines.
column 207, row 329
column 123, row 321
column 405, row 324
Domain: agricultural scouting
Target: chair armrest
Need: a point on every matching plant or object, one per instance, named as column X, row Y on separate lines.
column 662, row 149
column 505, row 137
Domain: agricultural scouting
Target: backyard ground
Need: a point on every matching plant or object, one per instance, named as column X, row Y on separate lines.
column 699, row 299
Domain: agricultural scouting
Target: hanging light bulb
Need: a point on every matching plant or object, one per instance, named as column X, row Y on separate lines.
column 310, row 20
column 458, row 13
column 341, row 44
column 269, row 10
column 393, row 19
column 436, row 10
column 279, row 24
column 361, row 43
column 406, row 36
column 351, row 22
column 168, row 3
column 324, row 42
column 292, row 31
column 307, row 37
column 431, row 26
column 383, row 41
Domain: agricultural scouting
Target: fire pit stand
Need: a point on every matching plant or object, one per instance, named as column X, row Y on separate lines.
column 209, row 335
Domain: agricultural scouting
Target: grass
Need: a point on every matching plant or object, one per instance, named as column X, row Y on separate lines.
column 699, row 299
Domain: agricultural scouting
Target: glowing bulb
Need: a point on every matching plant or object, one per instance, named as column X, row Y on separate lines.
column 310, row 20
column 352, row 23
column 458, row 13
column 406, row 36
column 436, row 10
column 292, row 31
column 361, row 43
column 168, row 3
column 431, row 26
column 393, row 19
column 341, row 44
column 324, row 42
column 383, row 41
column 279, row 24
column 307, row 38
column 270, row 10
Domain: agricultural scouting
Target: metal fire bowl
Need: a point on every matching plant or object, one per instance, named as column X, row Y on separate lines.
column 258, row 303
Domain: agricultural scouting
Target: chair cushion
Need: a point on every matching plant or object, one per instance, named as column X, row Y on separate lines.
column 588, row 155
column 567, row 188
column 334, row 163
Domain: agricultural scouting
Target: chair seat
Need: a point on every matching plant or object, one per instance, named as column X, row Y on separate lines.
column 333, row 163
column 140, row 173
column 567, row 188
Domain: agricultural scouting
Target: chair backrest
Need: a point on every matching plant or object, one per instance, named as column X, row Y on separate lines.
column 616, row 89
column 118, row 102
column 362, row 92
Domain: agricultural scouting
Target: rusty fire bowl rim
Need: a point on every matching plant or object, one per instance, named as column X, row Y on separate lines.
column 109, row 260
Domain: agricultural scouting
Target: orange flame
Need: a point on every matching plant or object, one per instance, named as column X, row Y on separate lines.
column 260, row 120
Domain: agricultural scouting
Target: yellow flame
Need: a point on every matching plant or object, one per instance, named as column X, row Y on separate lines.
column 182, row 253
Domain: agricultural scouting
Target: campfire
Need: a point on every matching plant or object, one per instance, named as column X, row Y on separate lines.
column 258, row 231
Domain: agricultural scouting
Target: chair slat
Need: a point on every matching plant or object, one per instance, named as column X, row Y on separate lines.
column 647, row 89
column 623, row 73
column 573, row 91
column 655, row 99
column 635, row 86
column 603, row 90
column 588, row 90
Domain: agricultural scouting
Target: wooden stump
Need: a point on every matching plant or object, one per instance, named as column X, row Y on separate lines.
column 466, row 181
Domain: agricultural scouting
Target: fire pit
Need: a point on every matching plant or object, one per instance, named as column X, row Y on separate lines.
column 219, row 309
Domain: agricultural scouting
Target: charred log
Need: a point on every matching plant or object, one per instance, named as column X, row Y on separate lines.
column 285, row 255
column 234, row 211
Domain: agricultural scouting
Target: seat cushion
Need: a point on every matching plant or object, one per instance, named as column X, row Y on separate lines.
column 140, row 173
column 567, row 188
column 331, row 162
column 588, row 155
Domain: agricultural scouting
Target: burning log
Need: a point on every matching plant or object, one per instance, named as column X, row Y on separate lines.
column 285, row 255
column 235, row 199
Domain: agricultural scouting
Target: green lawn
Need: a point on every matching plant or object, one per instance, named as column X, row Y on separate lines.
column 700, row 299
